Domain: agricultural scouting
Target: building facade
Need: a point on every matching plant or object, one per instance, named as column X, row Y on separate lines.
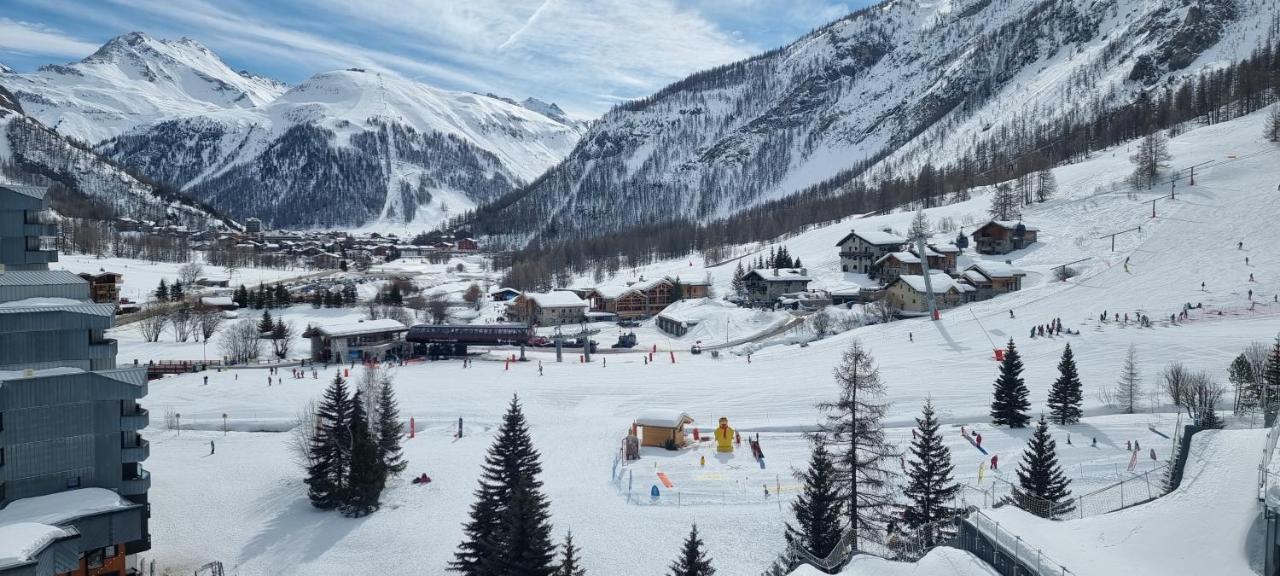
column 70, row 449
column 766, row 286
column 1004, row 236
column 859, row 251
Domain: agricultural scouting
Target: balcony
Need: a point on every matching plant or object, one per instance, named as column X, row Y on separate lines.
column 136, row 485
column 137, row 420
column 135, row 454
column 858, row 254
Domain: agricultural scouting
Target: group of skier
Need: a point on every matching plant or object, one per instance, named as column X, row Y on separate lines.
column 1053, row 328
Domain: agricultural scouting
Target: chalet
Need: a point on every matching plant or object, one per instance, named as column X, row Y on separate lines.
column 909, row 295
column 104, row 287
column 1003, row 236
column 547, row 308
column 324, row 261
column 993, row 278
column 859, row 251
column 504, row 294
column 895, row 264
column 943, row 257
column 768, row 285
column 846, row 296
column 252, row 226
column 368, row 339
column 695, row 288
column 806, row 300
column 642, row 299
column 468, row 244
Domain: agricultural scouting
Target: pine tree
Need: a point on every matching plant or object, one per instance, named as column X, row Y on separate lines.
column 677, row 290
column 389, row 430
column 738, row 285
column 349, row 295
column 317, row 299
column 855, row 437
column 569, row 561
column 266, row 324
column 394, row 297
column 175, row 292
column 365, row 476
column 930, row 486
column 162, row 291
column 281, row 296
column 241, row 296
column 1009, row 403
column 1271, row 380
column 1066, row 394
column 693, row 560
column 507, row 532
column 1042, row 488
column 819, row 509
column 329, row 452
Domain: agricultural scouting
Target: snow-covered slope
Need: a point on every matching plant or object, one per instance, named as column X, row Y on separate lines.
column 354, row 147
column 135, row 80
column 919, row 80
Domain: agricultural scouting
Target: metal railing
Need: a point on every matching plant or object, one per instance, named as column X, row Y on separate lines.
column 1141, row 487
column 1265, row 473
column 1012, row 546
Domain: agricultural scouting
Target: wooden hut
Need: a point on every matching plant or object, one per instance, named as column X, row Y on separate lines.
column 659, row 426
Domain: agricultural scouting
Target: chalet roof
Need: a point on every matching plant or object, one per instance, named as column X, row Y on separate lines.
column 975, row 276
column 874, row 237
column 945, row 248
column 783, row 275
column 903, row 257
column 1009, row 225
column 941, row 282
column 994, row 270
column 556, row 299
column 663, row 417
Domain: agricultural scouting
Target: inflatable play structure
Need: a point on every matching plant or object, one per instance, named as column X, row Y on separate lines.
column 724, row 436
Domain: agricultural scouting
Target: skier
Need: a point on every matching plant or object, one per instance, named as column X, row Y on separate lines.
column 268, row 381
column 1128, row 445
column 1033, row 331
column 1239, row 245
column 1068, row 439
column 977, row 440
column 1095, row 441
column 1246, row 260
column 211, row 447
column 1153, row 453
column 539, row 367
column 911, row 337
column 1251, row 277
column 459, row 428
column 1251, row 293
column 1136, row 446
column 206, row 380
column 605, row 363
column 1202, row 286
column 1011, row 313
column 995, row 459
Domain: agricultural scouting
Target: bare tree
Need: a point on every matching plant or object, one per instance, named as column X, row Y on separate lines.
column 1128, row 389
column 152, row 321
column 438, row 307
column 1202, row 395
column 210, row 319
column 473, row 295
column 880, row 311
column 301, row 434
column 1175, row 382
column 820, row 323
column 183, row 321
column 242, row 342
column 190, row 272
column 1272, row 131
column 1152, row 155
column 1004, row 202
column 282, row 338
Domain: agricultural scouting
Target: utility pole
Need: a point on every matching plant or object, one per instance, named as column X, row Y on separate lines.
column 928, row 285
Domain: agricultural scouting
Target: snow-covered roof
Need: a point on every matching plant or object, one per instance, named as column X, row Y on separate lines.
column 218, row 301
column 903, row 257
column 1011, row 224
column 21, row 541
column 945, row 248
column 941, row 282
column 874, row 237
column 62, row 507
column 365, row 327
column 505, row 289
column 996, row 269
column 694, row 310
column 556, row 299
column 975, row 276
column 782, row 275
column 663, row 417
column 19, row 374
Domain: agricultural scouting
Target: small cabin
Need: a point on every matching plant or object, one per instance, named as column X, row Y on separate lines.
column 659, row 426
column 1004, row 236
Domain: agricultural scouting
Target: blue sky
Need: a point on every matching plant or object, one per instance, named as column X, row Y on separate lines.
column 582, row 54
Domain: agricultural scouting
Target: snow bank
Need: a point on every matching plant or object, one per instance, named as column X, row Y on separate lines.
column 938, row 562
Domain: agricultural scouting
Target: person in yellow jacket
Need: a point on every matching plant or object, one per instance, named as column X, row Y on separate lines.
column 724, row 436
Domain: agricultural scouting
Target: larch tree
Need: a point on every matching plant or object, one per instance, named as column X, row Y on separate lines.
column 1042, row 488
column 818, row 509
column 1066, row 394
column 1272, row 131
column 1004, row 202
column 854, row 433
column 1151, row 156
column 1128, row 388
column 1046, row 185
column 1009, row 402
column 930, row 486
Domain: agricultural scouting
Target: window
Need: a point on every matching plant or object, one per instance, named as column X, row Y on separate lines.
column 1, row 455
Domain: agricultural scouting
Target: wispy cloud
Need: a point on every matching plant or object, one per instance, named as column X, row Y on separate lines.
column 28, row 38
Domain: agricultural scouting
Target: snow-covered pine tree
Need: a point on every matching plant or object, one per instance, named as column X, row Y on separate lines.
column 855, row 438
column 570, row 564
column 366, row 476
column 390, row 428
column 930, row 486
column 739, row 287
column 1009, row 403
column 508, row 523
column 1129, row 387
column 1046, row 185
column 330, row 456
column 818, row 509
column 1042, row 488
column 693, row 560
column 1066, row 394
column 175, row 292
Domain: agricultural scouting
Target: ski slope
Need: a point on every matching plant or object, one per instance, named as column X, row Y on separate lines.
column 1209, row 525
column 251, row 505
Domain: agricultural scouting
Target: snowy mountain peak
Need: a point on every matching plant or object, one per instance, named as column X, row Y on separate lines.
column 134, row 80
column 548, row 109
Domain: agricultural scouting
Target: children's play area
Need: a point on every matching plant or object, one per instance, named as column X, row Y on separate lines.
column 667, row 458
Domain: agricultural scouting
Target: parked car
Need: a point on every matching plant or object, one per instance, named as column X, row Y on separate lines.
column 629, row 323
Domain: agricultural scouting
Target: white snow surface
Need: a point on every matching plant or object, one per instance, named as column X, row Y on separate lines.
column 938, row 562
column 1209, row 525
column 20, row 541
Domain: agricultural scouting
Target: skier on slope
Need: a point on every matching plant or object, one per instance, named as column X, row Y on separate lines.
column 995, row 459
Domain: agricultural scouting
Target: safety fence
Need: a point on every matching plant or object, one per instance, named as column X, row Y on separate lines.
column 1005, row 551
column 643, row 485
column 1139, row 488
column 1267, row 475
